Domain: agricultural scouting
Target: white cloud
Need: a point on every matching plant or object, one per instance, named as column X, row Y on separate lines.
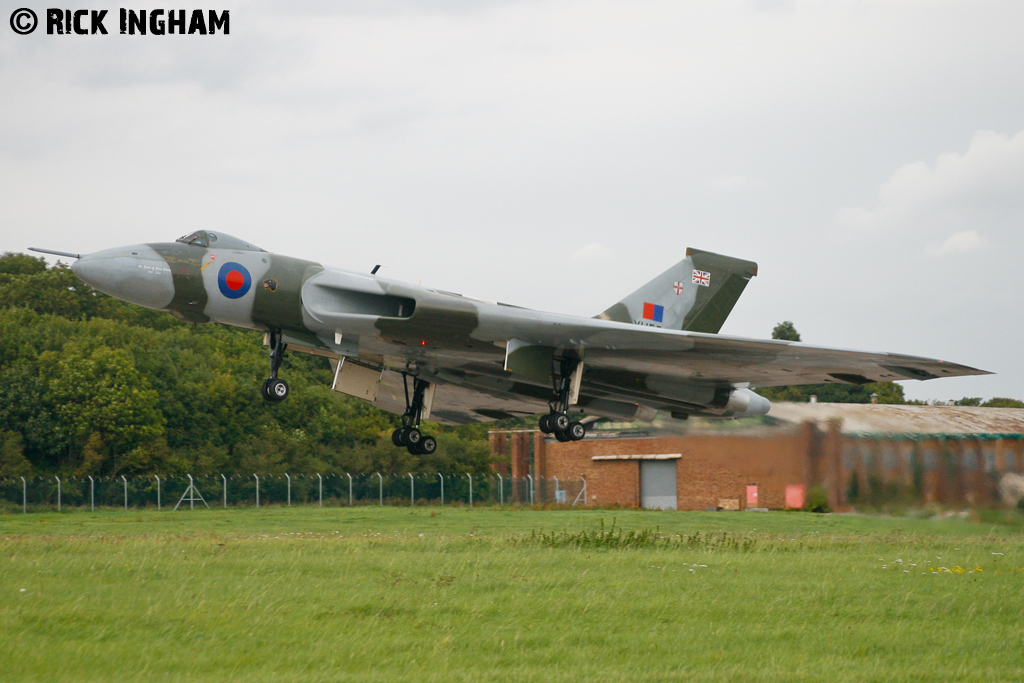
column 988, row 177
column 968, row 240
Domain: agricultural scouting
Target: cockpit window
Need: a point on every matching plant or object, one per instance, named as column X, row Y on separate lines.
column 198, row 238
column 218, row 240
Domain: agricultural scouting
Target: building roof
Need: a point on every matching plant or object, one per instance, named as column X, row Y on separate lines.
column 855, row 418
column 867, row 418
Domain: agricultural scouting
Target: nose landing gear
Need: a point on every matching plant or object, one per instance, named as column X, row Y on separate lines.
column 275, row 389
column 409, row 435
column 557, row 421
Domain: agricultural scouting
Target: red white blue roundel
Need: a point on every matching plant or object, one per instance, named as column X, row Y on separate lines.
column 234, row 280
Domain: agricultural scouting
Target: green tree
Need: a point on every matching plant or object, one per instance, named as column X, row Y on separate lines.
column 105, row 404
column 12, row 459
column 1003, row 403
column 21, row 264
column 785, row 330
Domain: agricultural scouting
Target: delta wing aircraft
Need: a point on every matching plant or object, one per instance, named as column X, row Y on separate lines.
column 426, row 353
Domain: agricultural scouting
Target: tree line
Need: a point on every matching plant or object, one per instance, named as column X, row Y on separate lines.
column 90, row 385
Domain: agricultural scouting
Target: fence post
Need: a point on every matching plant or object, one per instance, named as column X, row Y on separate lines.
column 24, row 496
column 556, row 489
column 583, row 493
column 321, row 488
column 125, row 492
column 289, row 488
column 412, row 491
column 470, row 477
column 257, row 489
column 442, row 488
column 92, row 495
column 58, row 493
column 225, row 480
column 350, row 503
column 157, row 491
column 501, row 487
column 529, row 477
column 381, row 489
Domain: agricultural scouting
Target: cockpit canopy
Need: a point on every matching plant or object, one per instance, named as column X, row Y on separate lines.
column 216, row 240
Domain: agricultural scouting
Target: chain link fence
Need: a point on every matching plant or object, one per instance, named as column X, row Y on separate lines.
column 28, row 494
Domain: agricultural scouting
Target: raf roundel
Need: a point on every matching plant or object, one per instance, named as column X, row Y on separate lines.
column 234, row 280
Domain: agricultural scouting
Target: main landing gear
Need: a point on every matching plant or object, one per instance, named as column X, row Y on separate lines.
column 409, row 434
column 557, row 421
column 275, row 389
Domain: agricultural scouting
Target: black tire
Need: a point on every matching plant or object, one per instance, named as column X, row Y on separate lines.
column 415, row 448
column 576, row 431
column 411, row 437
column 559, row 422
column 427, row 445
column 563, row 437
column 544, row 424
column 275, row 390
column 265, row 390
column 396, row 437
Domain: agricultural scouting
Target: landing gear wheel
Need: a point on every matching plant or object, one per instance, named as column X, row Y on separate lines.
column 544, row 423
column 576, row 431
column 274, row 389
column 563, row 437
column 416, row 405
column 559, row 422
column 411, row 436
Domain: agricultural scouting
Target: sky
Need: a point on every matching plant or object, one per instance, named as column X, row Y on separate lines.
column 868, row 155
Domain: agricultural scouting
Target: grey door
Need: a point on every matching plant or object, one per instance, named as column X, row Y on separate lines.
column 658, row 484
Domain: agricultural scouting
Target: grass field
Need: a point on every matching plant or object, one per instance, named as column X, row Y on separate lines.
column 457, row 594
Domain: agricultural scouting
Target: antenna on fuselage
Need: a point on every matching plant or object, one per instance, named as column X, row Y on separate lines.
column 375, row 269
column 62, row 253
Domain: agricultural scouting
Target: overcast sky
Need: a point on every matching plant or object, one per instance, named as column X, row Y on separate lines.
column 868, row 155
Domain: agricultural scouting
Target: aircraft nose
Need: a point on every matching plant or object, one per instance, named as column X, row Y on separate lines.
column 135, row 273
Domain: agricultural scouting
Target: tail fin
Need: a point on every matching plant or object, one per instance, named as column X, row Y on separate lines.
column 697, row 294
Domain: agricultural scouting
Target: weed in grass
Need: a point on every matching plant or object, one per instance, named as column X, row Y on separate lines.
column 614, row 538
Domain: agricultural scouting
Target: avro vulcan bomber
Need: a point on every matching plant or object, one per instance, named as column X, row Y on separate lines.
column 426, row 353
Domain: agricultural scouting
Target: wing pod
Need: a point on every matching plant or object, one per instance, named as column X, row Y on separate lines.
column 745, row 403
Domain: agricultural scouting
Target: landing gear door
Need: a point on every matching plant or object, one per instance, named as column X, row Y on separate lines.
column 428, row 401
column 356, row 380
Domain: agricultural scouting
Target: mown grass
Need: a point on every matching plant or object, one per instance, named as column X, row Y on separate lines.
column 392, row 594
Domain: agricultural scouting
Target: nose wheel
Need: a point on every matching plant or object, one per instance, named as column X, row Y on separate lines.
column 275, row 389
column 409, row 435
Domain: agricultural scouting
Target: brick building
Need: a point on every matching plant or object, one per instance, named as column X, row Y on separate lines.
column 851, row 453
